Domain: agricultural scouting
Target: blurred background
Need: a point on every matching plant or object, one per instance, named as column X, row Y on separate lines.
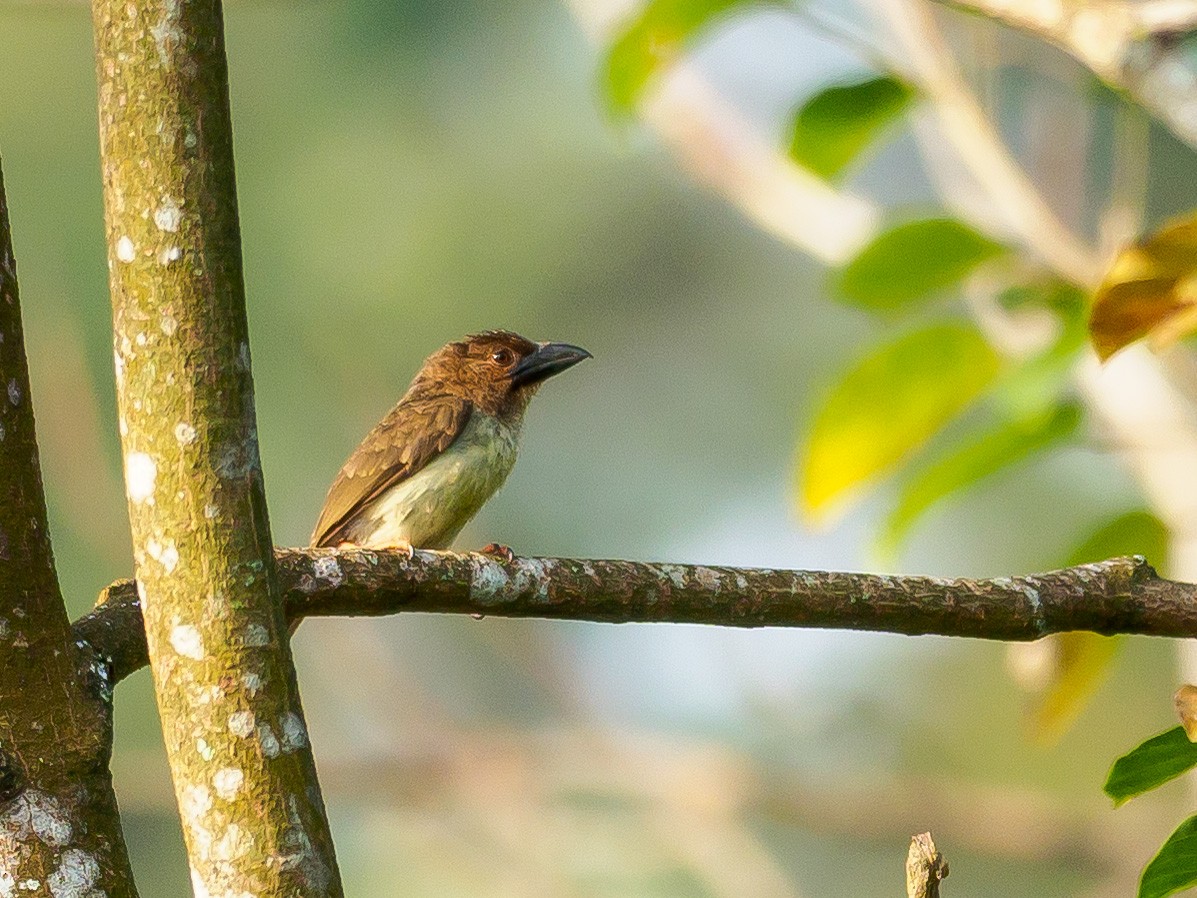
column 413, row 171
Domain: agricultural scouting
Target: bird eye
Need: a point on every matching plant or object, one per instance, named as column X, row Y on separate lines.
column 501, row 357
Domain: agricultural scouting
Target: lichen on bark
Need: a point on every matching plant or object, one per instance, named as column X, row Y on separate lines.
column 253, row 816
column 58, row 817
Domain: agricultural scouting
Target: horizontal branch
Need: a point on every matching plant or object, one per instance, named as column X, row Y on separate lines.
column 1122, row 595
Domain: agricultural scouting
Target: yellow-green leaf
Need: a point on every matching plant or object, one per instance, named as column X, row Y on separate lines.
column 1149, row 291
column 1174, row 868
column 889, row 405
column 1083, row 661
column 984, row 454
column 655, row 39
column 832, row 128
column 913, row 262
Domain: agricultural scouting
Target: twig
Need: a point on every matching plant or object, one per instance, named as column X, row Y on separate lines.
column 925, row 868
column 1122, row 595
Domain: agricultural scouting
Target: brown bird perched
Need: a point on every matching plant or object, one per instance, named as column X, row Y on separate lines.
column 427, row 468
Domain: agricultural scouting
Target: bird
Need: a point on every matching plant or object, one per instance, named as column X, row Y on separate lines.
column 448, row 445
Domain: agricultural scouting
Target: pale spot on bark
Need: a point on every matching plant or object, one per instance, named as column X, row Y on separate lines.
column 184, row 433
column 270, row 743
column 252, row 683
column 205, row 750
column 241, row 723
column 38, row 814
column 76, row 874
column 164, row 553
column 236, row 842
column 169, row 324
column 198, row 888
column 125, row 250
column 14, row 392
column 169, row 254
column 227, row 782
column 256, row 635
column 187, row 641
column 294, row 735
column 329, row 569
column 140, row 473
column 168, row 215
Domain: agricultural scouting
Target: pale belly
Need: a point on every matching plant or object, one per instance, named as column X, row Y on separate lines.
column 429, row 509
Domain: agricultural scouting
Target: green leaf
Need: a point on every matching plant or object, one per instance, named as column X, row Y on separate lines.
column 1134, row 533
column 654, row 40
column 1158, row 760
column 1175, row 866
column 913, row 261
column 835, row 125
column 987, row 453
column 1037, row 383
column 889, row 405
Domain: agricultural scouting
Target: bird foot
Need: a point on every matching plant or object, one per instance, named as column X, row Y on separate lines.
column 499, row 551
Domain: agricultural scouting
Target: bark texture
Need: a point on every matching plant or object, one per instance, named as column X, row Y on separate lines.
column 253, row 817
column 1118, row 596
column 59, row 829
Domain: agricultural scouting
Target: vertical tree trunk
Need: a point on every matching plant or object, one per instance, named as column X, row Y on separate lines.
column 59, row 829
column 253, row 816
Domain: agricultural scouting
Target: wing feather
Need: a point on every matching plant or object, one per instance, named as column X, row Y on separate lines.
column 413, row 433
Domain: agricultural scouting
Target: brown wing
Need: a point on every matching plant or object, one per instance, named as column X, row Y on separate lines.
column 411, row 435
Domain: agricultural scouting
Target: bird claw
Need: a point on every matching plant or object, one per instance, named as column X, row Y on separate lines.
column 499, row 551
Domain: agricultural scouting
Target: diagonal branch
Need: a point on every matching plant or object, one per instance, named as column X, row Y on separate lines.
column 1122, row 595
column 1134, row 46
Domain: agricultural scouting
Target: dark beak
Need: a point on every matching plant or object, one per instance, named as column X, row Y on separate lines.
column 545, row 361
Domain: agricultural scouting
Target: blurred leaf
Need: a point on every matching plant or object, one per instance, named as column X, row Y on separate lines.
column 1151, row 289
column 1158, row 760
column 913, row 261
column 987, row 453
column 890, row 404
column 654, row 40
column 1052, row 293
column 1036, row 384
column 1082, row 663
column 836, row 124
column 1175, row 866
column 1084, row 659
column 1134, row 533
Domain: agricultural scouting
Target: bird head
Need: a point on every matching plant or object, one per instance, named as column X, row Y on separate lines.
column 498, row 371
